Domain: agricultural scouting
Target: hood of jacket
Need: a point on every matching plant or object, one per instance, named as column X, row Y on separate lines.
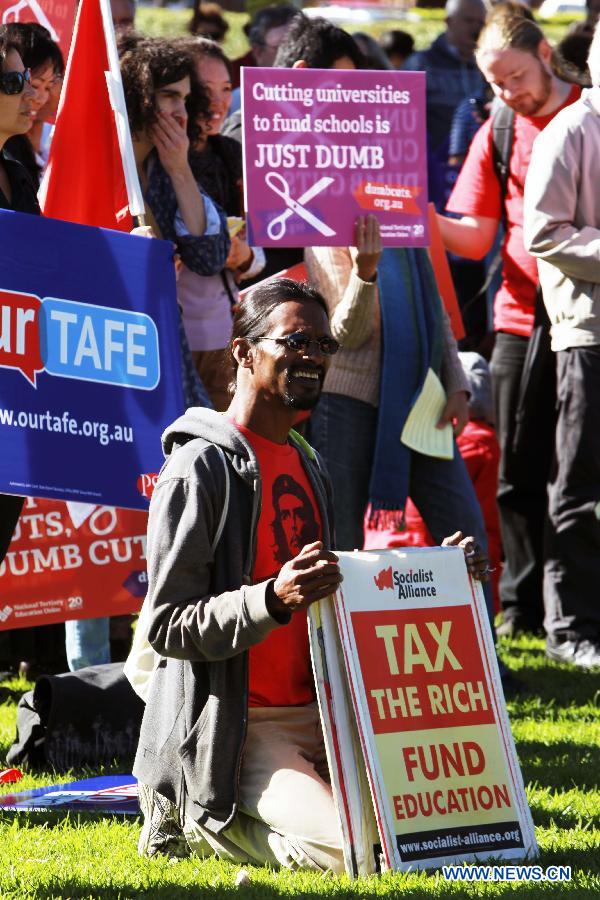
column 216, row 428
column 199, row 422
column 590, row 97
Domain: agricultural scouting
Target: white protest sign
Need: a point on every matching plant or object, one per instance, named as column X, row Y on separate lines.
column 437, row 746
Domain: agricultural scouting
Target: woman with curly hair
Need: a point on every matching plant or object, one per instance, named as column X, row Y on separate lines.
column 165, row 102
column 216, row 161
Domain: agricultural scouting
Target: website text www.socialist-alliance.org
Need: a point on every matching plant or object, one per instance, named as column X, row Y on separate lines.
column 474, row 840
column 65, row 423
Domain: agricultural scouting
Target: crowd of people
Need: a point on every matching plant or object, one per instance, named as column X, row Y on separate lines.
column 289, row 447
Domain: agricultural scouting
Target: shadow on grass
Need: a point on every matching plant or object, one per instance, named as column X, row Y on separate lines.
column 558, row 685
column 75, row 889
column 252, row 891
column 584, row 860
column 13, row 694
column 569, row 819
column 561, row 765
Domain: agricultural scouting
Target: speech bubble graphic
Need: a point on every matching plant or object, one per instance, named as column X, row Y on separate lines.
column 20, row 333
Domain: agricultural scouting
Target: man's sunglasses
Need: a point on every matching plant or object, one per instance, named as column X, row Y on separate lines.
column 14, row 82
column 300, row 343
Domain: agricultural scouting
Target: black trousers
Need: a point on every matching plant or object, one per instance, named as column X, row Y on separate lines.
column 469, row 277
column 522, row 484
column 43, row 644
column 10, row 510
column 572, row 571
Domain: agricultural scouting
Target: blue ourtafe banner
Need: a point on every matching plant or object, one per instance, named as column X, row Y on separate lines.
column 90, row 361
column 112, row 794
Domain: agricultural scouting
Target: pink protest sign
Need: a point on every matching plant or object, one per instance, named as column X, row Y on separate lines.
column 322, row 147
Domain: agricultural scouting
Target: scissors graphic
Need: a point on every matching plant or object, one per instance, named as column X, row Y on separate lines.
column 277, row 183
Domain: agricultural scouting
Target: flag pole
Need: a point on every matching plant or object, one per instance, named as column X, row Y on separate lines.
column 117, row 102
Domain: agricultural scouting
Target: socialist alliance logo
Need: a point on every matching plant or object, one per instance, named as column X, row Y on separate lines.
column 411, row 584
column 384, row 579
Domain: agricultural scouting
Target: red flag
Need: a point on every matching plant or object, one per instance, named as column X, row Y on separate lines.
column 443, row 275
column 85, row 179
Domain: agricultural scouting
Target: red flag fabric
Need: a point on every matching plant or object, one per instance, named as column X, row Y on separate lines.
column 443, row 275
column 85, row 182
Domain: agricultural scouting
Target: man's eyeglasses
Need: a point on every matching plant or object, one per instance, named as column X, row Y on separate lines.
column 300, row 343
column 14, row 82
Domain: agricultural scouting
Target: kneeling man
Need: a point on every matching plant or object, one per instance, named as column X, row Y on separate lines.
column 239, row 536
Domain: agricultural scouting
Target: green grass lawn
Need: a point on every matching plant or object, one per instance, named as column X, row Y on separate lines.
column 557, row 731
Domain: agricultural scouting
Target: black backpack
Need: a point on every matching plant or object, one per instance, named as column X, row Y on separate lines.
column 80, row 718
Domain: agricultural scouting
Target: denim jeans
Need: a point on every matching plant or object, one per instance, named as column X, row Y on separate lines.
column 87, row 643
column 343, row 431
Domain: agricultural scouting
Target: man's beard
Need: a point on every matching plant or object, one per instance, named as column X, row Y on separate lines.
column 310, row 400
column 539, row 101
column 302, row 403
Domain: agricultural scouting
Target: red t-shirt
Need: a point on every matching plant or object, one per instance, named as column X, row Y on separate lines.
column 280, row 669
column 477, row 193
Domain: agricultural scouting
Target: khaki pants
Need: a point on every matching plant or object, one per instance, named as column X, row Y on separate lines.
column 287, row 816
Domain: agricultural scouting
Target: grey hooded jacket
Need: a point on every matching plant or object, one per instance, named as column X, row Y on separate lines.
column 205, row 613
column 562, row 220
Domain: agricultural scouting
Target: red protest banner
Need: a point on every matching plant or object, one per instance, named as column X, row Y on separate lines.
column 296, row 273
column 55, row 15
column 419, row 669
column 72, row 561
